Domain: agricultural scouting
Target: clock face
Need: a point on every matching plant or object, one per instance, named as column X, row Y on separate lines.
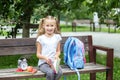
column 23, row 65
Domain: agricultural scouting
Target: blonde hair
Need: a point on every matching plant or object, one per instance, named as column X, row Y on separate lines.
column 41, row 29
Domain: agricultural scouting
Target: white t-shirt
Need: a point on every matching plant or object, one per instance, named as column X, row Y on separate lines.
column 49, row 46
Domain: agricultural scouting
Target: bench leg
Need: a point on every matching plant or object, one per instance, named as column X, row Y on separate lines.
column 108, row 28
column 109, row 75
column 92, row 76
column 115, row 28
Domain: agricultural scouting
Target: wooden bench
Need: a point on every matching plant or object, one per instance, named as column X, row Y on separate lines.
column 78, row 22
column 27, row 46
column 110, row 22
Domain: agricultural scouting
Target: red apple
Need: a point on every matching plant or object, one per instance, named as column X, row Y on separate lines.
column 29, row 68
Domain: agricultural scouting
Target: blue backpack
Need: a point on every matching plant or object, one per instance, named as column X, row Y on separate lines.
column 74, row 54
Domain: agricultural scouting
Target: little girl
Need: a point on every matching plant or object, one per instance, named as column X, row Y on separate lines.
column 48, row 47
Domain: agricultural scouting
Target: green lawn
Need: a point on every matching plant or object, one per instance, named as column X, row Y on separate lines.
column 86, row 29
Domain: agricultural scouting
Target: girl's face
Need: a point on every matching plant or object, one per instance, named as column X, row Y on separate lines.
column 49, row 25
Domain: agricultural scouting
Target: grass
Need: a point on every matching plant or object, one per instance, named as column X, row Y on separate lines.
column 78, row 28
column 11, row 62
column 87, row 29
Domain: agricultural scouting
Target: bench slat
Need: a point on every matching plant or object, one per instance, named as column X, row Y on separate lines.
column 17, row 42
column 89, row 67
column 18, row 50
column 27, row 45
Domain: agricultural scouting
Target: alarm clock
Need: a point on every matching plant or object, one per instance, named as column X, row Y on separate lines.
column 22, row 63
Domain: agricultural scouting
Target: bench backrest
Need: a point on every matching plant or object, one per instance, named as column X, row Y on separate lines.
column 109, row 21
column 27, row 45
column 82, row 21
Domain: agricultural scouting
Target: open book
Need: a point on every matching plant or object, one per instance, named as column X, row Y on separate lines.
column 56, row 65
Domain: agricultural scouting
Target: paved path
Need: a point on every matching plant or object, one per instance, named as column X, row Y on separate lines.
column 111, row 40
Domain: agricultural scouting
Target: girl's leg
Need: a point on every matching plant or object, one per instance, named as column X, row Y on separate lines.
column 59, row 74
column 48, row 71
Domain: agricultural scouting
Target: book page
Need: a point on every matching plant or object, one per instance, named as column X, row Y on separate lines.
column 56, row 65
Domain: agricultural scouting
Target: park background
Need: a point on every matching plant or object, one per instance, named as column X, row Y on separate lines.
column 20, row 14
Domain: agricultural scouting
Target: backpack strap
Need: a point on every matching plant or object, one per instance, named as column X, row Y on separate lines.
column 71, row 50
column 78, row 73
column 66, row 49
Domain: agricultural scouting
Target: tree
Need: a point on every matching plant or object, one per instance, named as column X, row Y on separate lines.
column 103, row 7
column 22, row 10
column 19, row 11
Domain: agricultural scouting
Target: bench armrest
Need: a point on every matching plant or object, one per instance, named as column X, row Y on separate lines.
column 109, row 59
column 109, row 53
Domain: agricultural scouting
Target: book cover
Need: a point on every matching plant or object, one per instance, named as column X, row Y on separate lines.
column 56, row 65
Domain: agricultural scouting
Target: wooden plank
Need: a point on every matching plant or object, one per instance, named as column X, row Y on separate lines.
column 89, row 68
column 82, row 21
column 32, row 41
column 17, row 42
column 27, row 45
column 109, row 22
column 17, row 50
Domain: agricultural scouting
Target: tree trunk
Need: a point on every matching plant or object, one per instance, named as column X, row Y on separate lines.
column 25, row 30
column 25, row 19
column 59, row 22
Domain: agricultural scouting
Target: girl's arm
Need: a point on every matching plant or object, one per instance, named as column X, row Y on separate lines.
column 58, row 51
column 38, row 53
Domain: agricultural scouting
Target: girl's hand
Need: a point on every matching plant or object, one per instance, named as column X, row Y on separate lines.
column 49, row 61
column 56, row 57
